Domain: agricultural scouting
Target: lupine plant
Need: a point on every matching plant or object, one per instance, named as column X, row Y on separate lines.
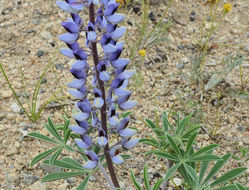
column 99, row 85
column 176, row 145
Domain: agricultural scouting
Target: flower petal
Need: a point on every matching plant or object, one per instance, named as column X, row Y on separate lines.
column 126, row 74
column 98, row 102
column 114, row 121
column 131, row 143
column 91, row 36
column 78, row 65
column 104, row 76
column 76, row 83
column 76, row 93
column 82, row 144
column 128, row 105
column 117, row 159
column 81, row 116
column 67, row 52
column 102, row 141
column 118, row 33
column 120, row 63
column 126, row 133
column 109, row 48
column 63, row 5
column 77, row 129
column 69, row 38
column 90, row 165
column 115, row 18
column 121, row 91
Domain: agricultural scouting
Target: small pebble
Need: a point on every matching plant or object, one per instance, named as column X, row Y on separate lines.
column 192, row 16
column 39, row 53
column 15, row 107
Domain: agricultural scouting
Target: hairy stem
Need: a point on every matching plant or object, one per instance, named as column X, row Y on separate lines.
column 104, row 107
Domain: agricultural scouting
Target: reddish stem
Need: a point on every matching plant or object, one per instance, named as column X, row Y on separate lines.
column 103, row 109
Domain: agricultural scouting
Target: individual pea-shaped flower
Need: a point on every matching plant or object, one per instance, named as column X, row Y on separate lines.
column 98, row 101
column 116, row 158
column 72, row 6
column 84, row 108
column 84, row 142
column 93, row 160
column 103, row 74
column 102, row 140
column 129, row 143
column 80, row 128
column 91, row 35
column 124, row 131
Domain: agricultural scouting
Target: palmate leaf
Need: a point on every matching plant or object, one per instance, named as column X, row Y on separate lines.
column 42, row 137
column 43, row 155
column 83, row 184
column 137, row 186
column 228, row 176
column 62, row 175
column 218, row 165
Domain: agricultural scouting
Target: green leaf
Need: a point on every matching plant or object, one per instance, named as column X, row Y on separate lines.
column 166, row 123
column 190, row 171
column 190, row 142
column 228, row 187
column 191, row 130
column 67, row 135
column 218, row 165
column 165, row 155
column 184, row 122
column 173, row 145
column 55, row 156
column 204, row 166
column 171, row 171
column 178, row 123
column 62, row 164
column 146, row 178
column 42, row 137
column 204, row 158
column 72, row 162
column 124, row 115
column 42, row 155
column 83, row 184
column 203, row 150
column 126, row 156
column 65, row 127
column 229, row 175
column 240, row 187
column 156, row 186
column 51, row 128
column 137, row 186
column 62, row 175
column 152, row 125
column 149, row 142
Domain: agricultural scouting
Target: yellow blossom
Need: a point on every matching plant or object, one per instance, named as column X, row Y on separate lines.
column 227, row 7
column 121, row 2
column 142, row 52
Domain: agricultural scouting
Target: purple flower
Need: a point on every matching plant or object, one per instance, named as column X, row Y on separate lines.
column 98, row 105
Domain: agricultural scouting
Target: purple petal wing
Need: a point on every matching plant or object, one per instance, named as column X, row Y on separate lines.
column 126, row 133
column 126, row 74
column 81, row 116
column 69, row 38
column 116, row 18
column 76, row 93
column 117, row 159
column 121, row 91
column 109, row 48
column 104, row 76
column 78, row 65
column 81, row 144
column 131, row 143
column 102, row 141
column 120, row 63
column 67, row 52
column 118, row 33
column 63, row 5
column 90, row 165
column 128, row 105
column 76, row 83
column 77, row 129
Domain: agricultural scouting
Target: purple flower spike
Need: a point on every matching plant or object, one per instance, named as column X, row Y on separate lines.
column 98, row 106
